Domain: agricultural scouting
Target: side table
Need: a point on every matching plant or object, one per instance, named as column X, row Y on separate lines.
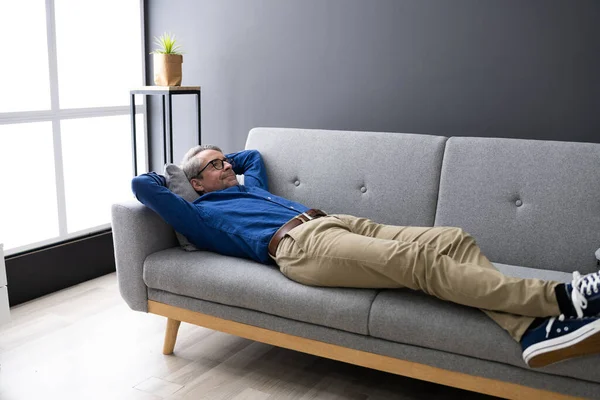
column 167, row 117
column 4, row 307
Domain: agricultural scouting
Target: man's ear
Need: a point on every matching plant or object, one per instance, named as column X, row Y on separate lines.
column 197, row 185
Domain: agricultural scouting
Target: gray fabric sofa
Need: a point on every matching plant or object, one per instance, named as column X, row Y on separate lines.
column 533, row 206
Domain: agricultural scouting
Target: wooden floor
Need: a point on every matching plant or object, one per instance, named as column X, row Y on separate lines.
column 85, row 343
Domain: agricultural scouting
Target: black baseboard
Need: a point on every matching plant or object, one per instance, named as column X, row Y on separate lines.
column 42, row 271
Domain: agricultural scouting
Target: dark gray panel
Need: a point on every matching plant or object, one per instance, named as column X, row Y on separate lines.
column 503, row 68
column 45, row 270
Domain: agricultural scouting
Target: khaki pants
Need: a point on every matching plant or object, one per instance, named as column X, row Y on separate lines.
column 346, row 251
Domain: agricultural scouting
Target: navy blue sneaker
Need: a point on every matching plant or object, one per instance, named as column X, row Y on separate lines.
column 559, row 339
column 585, row 294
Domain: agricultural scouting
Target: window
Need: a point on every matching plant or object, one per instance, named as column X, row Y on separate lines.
column 65, row 129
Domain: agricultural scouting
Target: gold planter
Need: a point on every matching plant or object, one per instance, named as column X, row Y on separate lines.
column 167, row 69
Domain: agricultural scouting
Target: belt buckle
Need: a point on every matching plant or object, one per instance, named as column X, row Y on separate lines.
column 308, row 217
column 300, row 218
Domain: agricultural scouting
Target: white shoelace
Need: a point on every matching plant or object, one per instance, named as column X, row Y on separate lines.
column 581, row 284
column 551, row 322
column 588, row 283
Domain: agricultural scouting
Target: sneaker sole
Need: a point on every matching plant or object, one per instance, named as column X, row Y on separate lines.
column 584, row 341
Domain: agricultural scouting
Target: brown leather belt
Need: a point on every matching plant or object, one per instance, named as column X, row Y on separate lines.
column 291, row 224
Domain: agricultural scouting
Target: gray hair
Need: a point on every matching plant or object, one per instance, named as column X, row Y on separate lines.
column 191, row 164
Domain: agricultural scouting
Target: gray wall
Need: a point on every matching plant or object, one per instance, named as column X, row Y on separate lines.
column 501, row 68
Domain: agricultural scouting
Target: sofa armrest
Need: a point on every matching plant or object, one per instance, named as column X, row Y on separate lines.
column 137, row 233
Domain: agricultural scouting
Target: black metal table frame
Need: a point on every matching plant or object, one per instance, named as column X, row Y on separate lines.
column 167, row 121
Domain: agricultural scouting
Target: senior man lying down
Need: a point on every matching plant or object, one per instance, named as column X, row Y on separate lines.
column 552, row 321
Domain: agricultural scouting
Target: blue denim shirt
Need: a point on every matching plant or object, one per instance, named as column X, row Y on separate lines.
column 238, row 221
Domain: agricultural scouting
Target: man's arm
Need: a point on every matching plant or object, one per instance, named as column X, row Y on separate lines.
column 150, row 189
column 250, row 164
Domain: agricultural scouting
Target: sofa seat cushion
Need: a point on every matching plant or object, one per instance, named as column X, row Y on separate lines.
column 247, row 284
column 410, row 317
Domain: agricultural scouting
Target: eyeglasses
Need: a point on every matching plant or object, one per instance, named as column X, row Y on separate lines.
column 218, row 164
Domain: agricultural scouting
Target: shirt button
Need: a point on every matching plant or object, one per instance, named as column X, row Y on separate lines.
column 518, row 203
column 269, row 198
column 292, row 208
column 363, row 189
column 297, row 183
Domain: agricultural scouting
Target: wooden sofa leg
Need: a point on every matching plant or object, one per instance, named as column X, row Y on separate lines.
column 171, row 335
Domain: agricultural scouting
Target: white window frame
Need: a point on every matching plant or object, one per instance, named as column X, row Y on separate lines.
column 55, row 115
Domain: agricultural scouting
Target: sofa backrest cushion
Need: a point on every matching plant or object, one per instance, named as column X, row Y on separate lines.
column 391, row 178
column 527, row 202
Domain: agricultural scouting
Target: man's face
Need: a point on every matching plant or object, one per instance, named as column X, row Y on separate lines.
column 213, row 179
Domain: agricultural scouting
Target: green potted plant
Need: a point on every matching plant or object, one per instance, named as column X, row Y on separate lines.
column 167, row 60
